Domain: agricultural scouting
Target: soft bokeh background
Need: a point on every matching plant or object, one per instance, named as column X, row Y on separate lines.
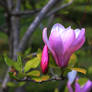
column 77, row 15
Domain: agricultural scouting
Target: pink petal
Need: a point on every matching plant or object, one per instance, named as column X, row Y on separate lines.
column 56, row 44
column 46, row 41
column 77, row 87
column 44, row 59
column 69, row 87
column 57, row 27
column 67, row 37
column 66, row 58
column 88, row 86
column 60, row 40
column 79, row 41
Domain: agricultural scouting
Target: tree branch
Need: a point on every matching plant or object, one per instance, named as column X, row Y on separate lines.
column 21, row 13
column 14, row 34
column 35, row 23
column 18, row 5
column 9, row 8
column 59, row 8
column 15, row 20
column 6, row 79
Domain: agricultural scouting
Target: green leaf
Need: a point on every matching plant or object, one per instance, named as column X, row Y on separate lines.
column 21, row 75
column 12, row 76
column 90, row 70
column 39, row 54
column 56, row 90
column 34, row 73
column 11, row 84
column 52, row 62
column 66, row 89
column 40, row 79
column 33, row 63
column 21, row 84
column 18, row 64
column 82, row 81
column 66, row 71
column 45, row 77
column 9, row 61
column 79, row 70
column 27, row 51
column 73, row 60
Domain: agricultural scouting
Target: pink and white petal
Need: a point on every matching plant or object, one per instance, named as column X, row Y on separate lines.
column 57, row 27
column 56, row 44
column 67, row 56
column 79, row 41
column 68, row 37
column 79, row 33
column 69, row 87
column 77, row 87
column 87, row 87
column 46, row 41
column 68, row 28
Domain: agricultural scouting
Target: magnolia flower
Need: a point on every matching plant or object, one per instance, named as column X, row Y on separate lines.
column 85, row 88
column 62, row 43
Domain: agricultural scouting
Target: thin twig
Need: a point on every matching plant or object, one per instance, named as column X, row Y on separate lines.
column 59, row 8
column 21, row 13
column 6, row 79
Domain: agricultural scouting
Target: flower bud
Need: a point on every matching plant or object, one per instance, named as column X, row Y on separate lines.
column 44, row 59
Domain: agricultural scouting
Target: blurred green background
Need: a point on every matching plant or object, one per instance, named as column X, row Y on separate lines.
column 77, row 15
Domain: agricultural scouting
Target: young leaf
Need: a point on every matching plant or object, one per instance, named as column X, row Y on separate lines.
column 56, row 90
column 12, row 76
column 39, row 54
column 33, row 63
column 11, row 84
column 40, row 79
column 52, row 62
column 73, row 60
column 34, row 73
column 37, row 79
column 21, row 75
column 21, row 84
column 45, row 77
column 27, row 51
column 9, row 61
column 18, row 65
column 82, row 81
column 79, row 70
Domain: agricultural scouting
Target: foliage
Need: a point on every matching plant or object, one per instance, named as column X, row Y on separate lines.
column 30, row 69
